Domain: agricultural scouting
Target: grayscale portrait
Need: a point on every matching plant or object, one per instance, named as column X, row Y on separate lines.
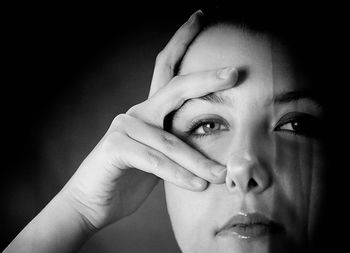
column 185, row 127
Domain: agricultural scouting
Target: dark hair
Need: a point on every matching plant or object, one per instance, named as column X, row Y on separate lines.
column 293, row 26
column 300, row 30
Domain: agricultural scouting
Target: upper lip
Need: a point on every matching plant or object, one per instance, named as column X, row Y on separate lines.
column 247, row 219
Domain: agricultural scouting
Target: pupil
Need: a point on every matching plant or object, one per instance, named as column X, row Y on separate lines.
column 295, row 124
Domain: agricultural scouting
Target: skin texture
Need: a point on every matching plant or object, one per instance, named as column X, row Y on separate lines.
column 270, row 170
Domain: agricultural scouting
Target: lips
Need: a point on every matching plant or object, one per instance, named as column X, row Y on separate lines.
column 246, row 226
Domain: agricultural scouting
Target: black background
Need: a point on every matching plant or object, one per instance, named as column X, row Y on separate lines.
column 49, row 50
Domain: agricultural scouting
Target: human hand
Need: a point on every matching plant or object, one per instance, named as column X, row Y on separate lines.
column 121, row 171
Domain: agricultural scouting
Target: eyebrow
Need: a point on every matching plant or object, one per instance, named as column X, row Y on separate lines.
column 281, row 98
column 214, row 98
column 290, row 96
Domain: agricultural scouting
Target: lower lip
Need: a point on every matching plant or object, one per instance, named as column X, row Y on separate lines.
column 248, row 231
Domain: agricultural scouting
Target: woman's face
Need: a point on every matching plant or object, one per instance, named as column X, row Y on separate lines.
column 266, row 130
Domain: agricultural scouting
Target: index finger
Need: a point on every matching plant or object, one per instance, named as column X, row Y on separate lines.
column 168, row 59
column 180, row 89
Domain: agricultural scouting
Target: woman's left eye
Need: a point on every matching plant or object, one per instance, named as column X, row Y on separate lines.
column 207, row 127
column 300, row 124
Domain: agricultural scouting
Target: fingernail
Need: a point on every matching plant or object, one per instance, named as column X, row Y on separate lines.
column 194, row 15
column 218, row 170
column 228, row 72
column 198, row 182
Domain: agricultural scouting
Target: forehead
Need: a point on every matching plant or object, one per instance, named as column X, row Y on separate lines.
column 224, row 45
column 265, row 61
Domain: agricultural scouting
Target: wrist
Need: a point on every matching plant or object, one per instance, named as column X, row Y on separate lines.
column 74, row 209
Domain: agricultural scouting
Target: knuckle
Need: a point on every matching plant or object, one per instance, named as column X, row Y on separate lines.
column 166, row 59
column 181, row 82
column 119, row 120
column 181, row 101
column 154, row 160
column 133, row 110
column 170, row 142
column 203, row 163
column 112, row 142
column 180, row 177
column 160, row 58
column 170, row 65
column 114, row 148
column 137, row 110
column 178, row 87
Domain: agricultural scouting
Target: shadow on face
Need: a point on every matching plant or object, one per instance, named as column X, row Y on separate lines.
column 266, row 130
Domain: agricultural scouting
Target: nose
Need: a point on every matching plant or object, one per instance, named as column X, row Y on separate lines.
column 245, row 173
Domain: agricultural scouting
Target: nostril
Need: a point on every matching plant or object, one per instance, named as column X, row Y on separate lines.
column 230, row 183
column 252, row 183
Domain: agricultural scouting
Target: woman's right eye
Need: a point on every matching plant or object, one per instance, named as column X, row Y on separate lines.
column 207, row 127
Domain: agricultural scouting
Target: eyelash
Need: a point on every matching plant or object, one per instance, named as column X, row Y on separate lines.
column 202, row 122
column 310, row 124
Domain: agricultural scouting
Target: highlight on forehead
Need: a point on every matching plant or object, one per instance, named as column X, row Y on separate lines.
column 226, row 27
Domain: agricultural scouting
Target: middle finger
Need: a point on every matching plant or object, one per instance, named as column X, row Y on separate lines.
column 172, row 147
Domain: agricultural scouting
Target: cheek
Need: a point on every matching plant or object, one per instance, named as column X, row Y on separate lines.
column 216, row 147
column 298, row 168
column 192, row 217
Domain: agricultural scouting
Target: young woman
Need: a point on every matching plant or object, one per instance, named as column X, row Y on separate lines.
column 233, row 127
